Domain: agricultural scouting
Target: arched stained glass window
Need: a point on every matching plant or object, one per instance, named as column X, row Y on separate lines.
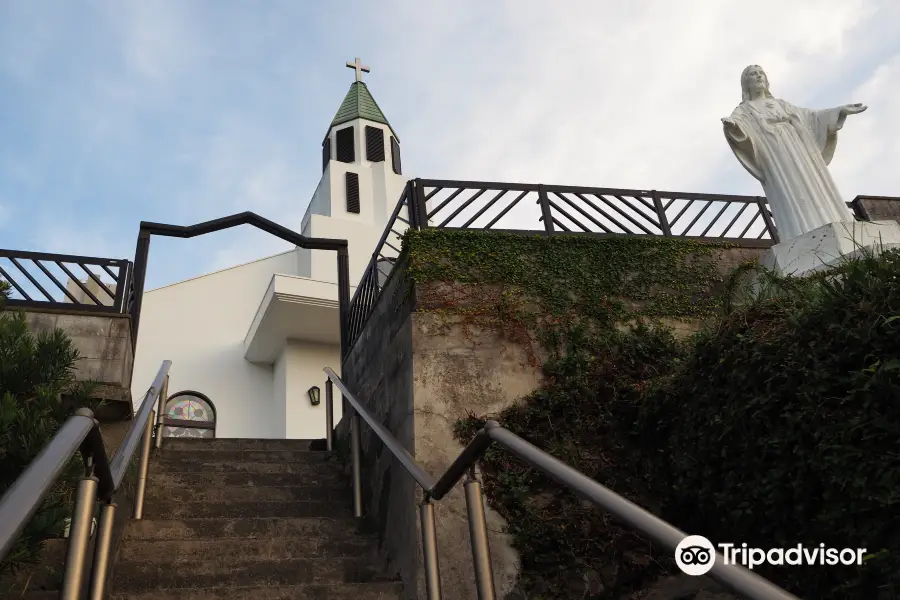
column 189, row 414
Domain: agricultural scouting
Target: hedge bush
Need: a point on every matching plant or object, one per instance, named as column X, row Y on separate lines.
column 776, row 426
column 35, row 372
column 782, row 426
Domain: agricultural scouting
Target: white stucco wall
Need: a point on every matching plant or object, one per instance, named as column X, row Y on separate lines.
column 279, row 392
column 199, row 325
column 303, row 363
column 361, row 238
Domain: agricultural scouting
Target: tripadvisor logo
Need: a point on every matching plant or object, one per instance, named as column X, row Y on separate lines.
column 696, row 555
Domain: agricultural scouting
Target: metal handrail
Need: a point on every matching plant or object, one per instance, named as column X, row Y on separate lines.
column 22, row 500
column 735, row 578
column 101, row 481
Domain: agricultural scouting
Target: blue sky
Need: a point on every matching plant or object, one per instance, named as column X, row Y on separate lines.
column 113, row 112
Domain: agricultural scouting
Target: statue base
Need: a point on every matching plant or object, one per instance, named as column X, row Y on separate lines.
column 830, row 244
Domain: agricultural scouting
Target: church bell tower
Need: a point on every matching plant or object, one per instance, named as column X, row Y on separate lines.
column 362, row 180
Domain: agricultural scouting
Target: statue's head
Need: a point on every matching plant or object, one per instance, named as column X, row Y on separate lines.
column 754, row 82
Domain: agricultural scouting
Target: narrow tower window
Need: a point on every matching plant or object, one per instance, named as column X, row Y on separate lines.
column 395, row 155
column 352, row 180
column 326, row 153
column 346, row 150
column 374, row 144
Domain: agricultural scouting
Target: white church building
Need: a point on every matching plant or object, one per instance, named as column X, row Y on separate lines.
column 249, row 342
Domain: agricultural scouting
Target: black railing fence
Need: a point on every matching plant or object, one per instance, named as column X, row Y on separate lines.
column 42, row 280
column 570, row 209
column 386, row 252
column 553, row 210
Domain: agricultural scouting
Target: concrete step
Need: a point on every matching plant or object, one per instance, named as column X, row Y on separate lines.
column 344, row 591
column 245, row 529
column 250, row 455
column 206, row 445
column 177, row 509
column 235, row 549
column 327, row 478
column 205, row 573
column 168, row 455
column 249, row 493
column 195, row 464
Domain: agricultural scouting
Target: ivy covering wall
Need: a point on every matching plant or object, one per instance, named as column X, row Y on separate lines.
column 778, row 424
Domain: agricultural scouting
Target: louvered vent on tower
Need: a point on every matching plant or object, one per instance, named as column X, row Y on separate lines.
column 395, row 155
column 352, row 180
column 374, row 144
column 326, row 153
column 346, row 150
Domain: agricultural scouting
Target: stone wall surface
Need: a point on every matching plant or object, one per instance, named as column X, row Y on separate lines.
column 878, row 208
column 461, row 369
column 379, row 372
column 107, row 356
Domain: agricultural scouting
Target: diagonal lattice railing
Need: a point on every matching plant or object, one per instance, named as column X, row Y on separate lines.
column 604, row 211
column 552, row 210
column 43, row 280
column 380, row 265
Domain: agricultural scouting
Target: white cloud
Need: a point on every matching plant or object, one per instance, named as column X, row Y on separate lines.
column 869, row 144
column 616, row 95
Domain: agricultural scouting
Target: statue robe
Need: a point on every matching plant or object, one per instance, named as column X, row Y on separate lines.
column 788, row 150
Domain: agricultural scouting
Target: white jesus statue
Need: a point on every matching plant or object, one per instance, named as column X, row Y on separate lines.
column 788, row 150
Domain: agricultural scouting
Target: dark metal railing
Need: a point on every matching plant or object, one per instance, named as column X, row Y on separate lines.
column 380, row 265
column 553, row 210
column 148, row 229
column 735, row 578
column 43, row 280
column 101, row 480
column 606, row 211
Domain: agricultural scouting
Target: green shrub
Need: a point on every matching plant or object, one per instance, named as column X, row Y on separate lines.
column 778, row 425
column 782, row 426
column 35, row 373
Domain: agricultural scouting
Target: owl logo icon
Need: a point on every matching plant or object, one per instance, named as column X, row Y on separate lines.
column 695, row 555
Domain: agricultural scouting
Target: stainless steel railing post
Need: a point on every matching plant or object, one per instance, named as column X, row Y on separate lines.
column 79, row 537
column 143, row 468
column 161, row 411
column 481, row 551
column 355, row 455
column 329, row 415
column 100, row 570
column 430, row 551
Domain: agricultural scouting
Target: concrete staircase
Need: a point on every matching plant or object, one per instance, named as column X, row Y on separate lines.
column 242, row 519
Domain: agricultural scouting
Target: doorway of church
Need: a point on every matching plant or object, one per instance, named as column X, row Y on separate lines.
column 189, row 414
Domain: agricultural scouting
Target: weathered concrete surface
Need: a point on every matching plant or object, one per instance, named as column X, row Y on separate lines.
column 878, row 208
column 379, row 371
column 107, row 356
column 458, row 373
column 309, row 548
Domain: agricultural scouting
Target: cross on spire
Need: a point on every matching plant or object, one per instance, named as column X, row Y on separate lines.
column 360, row 69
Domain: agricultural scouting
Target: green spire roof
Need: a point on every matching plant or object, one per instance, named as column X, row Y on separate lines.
column 359, row 104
